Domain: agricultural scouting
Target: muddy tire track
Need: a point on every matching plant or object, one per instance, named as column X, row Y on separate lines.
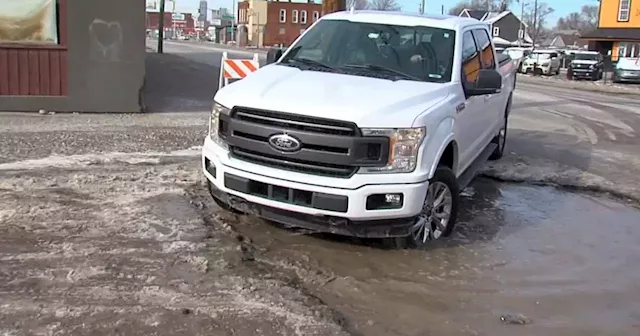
column 118, row 248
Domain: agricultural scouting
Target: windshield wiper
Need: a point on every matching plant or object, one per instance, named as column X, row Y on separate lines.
column 380, row 68
column 311, row 62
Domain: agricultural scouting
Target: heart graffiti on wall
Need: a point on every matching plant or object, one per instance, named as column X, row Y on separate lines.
column 106, row 40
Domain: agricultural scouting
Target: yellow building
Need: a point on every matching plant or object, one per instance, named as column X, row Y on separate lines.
column 618, row 29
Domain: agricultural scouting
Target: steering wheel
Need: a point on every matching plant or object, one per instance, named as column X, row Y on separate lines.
column 433, row 62
column 384, row 51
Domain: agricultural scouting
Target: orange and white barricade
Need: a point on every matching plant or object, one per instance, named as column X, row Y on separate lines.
column 234, row 69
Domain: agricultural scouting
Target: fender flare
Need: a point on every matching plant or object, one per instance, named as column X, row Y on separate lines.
column 450, row 139
column 433, row 152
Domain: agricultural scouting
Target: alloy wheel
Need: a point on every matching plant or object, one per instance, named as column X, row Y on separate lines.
column 436, row 213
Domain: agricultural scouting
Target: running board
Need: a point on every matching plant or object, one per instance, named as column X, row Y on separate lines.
column 465, row 179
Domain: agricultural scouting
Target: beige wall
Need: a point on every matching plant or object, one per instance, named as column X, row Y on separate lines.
column 257, row 19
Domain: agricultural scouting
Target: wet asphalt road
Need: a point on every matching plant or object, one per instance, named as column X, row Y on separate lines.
column 105, row 228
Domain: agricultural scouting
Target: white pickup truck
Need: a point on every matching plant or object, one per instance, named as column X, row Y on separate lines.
column 369, row 125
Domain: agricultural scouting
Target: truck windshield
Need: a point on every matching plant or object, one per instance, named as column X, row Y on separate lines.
column 540, row 56
column 586, row 57
column 377, row 50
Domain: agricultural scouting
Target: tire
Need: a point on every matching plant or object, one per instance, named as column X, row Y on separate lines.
column 443, row 181
column 221, row 204
column 501, row 138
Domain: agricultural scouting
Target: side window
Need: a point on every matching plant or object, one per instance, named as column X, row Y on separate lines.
column 470, row 59
column 484, row 45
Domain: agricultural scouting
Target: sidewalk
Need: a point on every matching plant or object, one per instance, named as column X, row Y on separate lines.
column 176, row 84
column 561, row 81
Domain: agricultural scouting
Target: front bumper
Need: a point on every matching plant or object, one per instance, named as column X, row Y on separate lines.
column 584, row 73
column 265, row 193
column 546, row 69
column 628, row 76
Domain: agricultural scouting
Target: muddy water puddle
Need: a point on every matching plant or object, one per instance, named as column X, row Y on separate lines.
column 568, row 262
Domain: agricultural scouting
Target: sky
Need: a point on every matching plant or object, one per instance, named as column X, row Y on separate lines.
column 562, row 8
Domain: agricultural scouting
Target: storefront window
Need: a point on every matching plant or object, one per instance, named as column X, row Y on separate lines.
column 29, row 22
column 629, row 49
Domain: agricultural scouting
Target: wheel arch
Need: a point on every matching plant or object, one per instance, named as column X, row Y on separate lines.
column 447, row 156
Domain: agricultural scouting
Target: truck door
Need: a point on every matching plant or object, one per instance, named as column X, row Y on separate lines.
column 469, row 118
column 494, row 103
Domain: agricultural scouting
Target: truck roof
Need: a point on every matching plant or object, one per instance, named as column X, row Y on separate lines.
column 405, row 19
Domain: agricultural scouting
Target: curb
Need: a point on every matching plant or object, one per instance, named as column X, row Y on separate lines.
column 571, row 86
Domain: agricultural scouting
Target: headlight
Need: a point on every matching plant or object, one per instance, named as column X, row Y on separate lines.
column 592, row 66
column 214, row 123
column 404, row 144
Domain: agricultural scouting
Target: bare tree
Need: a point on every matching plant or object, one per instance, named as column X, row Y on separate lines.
column 357, row 4
column 590, row 16
column 536, row 20
column 491, row 5
column 385, row 5
column 584, row 21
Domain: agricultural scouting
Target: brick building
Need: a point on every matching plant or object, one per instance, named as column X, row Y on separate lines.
column 268, row 23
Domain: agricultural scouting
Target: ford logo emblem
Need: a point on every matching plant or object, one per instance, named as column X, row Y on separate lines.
column 284, row 143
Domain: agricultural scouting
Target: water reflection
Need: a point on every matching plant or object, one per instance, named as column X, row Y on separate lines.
column 568, row 261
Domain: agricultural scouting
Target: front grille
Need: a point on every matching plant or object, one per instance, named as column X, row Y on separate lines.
column 327, row 147
column 287, row 121
column 314, row 168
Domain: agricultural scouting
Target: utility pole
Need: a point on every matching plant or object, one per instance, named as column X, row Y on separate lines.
column 422, row 8
column 442, row 9
column 535, row 23
column 233, row 22
column 521, row 25
column 160, row 27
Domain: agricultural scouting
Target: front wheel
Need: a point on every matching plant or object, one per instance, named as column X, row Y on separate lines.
column 501, row 138
column 439, row 211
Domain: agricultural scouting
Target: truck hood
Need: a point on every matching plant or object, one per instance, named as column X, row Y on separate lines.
column 584, row 62
column 369, row 102
column 628, row 63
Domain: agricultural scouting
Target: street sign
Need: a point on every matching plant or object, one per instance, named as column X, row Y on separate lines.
column 177, row 17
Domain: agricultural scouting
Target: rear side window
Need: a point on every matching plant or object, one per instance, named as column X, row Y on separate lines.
column 470, row 59
column 486, row 52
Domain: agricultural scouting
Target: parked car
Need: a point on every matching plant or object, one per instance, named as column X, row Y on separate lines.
column 518, row 54
column 586, row 64
column 338, row 135
column 547, row 62
column 627, row 70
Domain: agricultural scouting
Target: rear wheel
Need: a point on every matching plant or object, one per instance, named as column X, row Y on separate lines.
column 439, row 211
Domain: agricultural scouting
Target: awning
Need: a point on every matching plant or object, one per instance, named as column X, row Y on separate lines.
column 621, row 34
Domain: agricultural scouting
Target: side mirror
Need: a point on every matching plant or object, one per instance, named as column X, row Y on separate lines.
column 489, row 82
column 273, row 55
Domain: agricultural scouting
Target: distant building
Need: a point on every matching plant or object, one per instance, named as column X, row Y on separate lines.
column 202, row 11
column 268, row 23
column 618, row 29
column 506, row 28
column 568, row 39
